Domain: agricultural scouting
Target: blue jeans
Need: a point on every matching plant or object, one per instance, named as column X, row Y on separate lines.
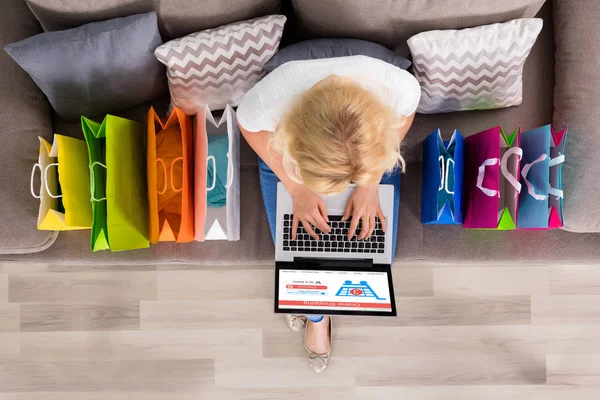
column 268, row 187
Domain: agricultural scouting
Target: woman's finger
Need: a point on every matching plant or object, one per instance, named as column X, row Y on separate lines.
column 323, row 210
column 347, row 211
column 366, row 227
column 309, row 229
column 353, row 226
column 372, row 225
column 381, row 219
column 319, row 222
column 294, row 227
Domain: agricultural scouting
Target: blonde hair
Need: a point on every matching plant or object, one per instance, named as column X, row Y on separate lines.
column 336, row 133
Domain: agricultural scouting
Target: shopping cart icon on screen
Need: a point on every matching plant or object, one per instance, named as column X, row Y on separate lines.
column 361, row 289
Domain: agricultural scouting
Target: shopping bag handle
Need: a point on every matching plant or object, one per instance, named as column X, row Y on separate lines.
column 487, row 163
column 448, row 161
column 172, row 171
column 504, row 167
column 554, row 162
column 93, row 181
column 525, row 172
column 44, row 178
column 31, row 188
column 444, row 173
column 46, row 181
column 214, row 182
column 229, row 171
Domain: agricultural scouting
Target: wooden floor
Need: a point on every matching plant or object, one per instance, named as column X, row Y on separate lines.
column 169, row 332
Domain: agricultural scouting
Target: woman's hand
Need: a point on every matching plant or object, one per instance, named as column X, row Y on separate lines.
column 363, row 205
column 310, row 210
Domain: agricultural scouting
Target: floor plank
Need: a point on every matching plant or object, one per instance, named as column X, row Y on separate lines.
column 209, row 314
column 201, row 393
column 450, row 341
column 575, row 309
column 573, row 369
column 3, row 288
column 141, row 345
column 39, row 317
column 459, row 370
column 86, row 287
column 430, row 311
column 146, row 375
column 281, row 373
column 413, row 281
column 215, row 284
column 476, row 281
column 574, row 279
column 9, row 317
column 481, row 392
column 10, row 349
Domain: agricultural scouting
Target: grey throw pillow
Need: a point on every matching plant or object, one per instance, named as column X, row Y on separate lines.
column 335, row 47
column 97, row 68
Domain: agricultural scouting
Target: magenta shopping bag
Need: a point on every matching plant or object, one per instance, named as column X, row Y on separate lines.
column 492, row 187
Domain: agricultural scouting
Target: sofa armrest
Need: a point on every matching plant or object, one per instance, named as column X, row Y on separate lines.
column 24, row 115
column 577, row 103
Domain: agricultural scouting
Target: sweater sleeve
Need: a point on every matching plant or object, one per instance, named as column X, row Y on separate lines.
column 251, row 113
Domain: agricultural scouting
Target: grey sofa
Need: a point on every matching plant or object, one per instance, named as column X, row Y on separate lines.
column 560, row 84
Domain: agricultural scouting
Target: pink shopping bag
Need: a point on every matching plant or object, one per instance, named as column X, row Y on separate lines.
column 492, row 184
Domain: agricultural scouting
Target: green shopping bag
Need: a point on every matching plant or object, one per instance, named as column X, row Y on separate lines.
column 117, row 183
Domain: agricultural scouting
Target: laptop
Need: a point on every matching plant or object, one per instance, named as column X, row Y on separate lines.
column 334, row 275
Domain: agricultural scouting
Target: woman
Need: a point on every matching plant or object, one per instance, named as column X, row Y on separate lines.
column 317, row 126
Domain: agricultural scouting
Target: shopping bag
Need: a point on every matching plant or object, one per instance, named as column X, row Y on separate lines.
column 443, row 165
column 118, row 189
column 492, row 161
column 216, row 170
column 555, row 191
column 170, row 174
column 540, row 202
column 64, row 183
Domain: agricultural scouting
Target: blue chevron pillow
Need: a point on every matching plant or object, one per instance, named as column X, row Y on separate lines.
column 97, row 68
column 473, row 69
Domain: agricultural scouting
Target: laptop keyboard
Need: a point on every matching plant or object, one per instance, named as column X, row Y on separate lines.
column 334, row 242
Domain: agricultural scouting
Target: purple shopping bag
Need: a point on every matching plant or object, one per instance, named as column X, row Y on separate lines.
column 492, row 186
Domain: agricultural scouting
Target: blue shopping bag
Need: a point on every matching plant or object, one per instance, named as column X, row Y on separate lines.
column 535, row 178
column 443, row 166
column 541, row 200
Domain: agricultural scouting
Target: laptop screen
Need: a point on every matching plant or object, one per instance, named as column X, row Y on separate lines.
column 316, row 291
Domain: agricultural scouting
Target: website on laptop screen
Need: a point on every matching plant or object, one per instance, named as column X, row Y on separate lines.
column 334, row 290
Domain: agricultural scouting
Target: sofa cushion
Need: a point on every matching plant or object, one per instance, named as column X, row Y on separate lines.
column 216, row 67
column 335, row 47
column 392, row 22
column 535, row 110
column 176, row 18
column 577, row 103
column 24, row 115
column 95, row 68
column 477, row 68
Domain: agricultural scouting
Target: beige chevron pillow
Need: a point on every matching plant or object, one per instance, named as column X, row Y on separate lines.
column 218, row 66
column 473, row 69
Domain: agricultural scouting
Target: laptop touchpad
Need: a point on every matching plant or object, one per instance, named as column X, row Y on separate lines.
column 337, row 203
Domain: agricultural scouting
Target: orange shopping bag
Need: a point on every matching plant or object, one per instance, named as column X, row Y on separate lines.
column 170, row 178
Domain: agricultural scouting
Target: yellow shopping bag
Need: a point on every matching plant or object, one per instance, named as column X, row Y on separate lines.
column 64, row 194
